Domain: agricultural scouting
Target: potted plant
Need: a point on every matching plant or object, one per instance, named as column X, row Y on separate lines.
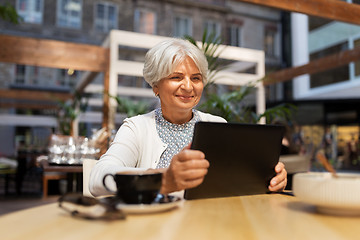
column 69, row 111
column 232, row 105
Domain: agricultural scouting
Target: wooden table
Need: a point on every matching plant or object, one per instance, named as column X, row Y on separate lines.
column 73, row 172
column 272, row 216
column 63, row 168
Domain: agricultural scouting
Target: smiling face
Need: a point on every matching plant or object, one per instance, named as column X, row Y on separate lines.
column 180, row 92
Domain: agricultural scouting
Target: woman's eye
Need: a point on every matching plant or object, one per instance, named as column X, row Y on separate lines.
column 175, row 77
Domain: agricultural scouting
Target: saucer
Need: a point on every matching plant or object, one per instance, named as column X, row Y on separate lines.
column 161, row 204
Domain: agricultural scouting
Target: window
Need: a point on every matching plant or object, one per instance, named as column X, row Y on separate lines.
column 145, row 21
column 334, row 75
column 42, row 77
column 26, row 75
column 212, row 27
column 69, row 13
column 270, row 41
column 20, row 74
column 182, row 26
column 105, row 17
column 235, row 35
column 30, row 10
column 66, row 77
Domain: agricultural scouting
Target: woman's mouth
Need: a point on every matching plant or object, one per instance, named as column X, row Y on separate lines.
column 185, row 97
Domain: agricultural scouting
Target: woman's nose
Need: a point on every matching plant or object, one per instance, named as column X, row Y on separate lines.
column 187, row 84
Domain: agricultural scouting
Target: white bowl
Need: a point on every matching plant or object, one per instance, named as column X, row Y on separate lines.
column 340, row 196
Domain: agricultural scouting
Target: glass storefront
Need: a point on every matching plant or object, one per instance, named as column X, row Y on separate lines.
column 331, row 76
column 340, row 144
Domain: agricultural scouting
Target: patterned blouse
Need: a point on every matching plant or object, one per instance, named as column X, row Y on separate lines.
column 176, row 136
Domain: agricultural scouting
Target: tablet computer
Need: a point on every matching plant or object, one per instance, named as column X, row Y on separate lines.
column 242, row 158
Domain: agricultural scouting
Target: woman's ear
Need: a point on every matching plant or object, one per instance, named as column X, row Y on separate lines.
column 155, row 90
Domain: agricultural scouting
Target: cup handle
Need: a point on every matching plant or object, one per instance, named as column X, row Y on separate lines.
column 106, row 187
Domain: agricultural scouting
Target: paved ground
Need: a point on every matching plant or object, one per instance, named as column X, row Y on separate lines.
column 11, row 203
column 30, row 196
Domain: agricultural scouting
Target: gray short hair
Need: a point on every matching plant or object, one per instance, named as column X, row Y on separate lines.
column 163, row 58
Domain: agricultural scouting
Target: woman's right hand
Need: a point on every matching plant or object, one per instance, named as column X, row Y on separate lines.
column 187, row 170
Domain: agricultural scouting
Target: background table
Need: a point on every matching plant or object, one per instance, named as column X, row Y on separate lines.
column 73, row 173
column 271, row 216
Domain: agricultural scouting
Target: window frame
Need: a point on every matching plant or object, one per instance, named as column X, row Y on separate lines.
column 182, row 18
column 215, row 24
column 105, row 21
column 274, row 52
column 137, row 21
column 68, row 18
column 29, row 77
column 30, row 11
column 239, row 38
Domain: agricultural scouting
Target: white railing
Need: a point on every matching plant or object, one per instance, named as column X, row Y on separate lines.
column 231, row 76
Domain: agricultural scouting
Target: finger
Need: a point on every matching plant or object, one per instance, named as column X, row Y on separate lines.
column 182, row 183
column 194, row 174
column 178, row 167
column 278, row 178
column 279, row 187
column 279, row 182
column 279, row 167
column 193, row 183
column 195, row 164
column 191, row 174
column 188, row 154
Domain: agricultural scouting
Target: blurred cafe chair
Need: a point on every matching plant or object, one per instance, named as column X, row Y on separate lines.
column 295, row 163
column 48, row 177
column 88, row 164
column 42, row 161
column 8, row 171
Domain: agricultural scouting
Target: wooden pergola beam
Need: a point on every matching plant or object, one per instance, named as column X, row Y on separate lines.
column 330, row 9
column 28, row 105
column 106, row 100
column 315, row 66
column 34, row 95
column 54, row 54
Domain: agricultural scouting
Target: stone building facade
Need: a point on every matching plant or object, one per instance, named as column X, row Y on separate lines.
column 89, row 22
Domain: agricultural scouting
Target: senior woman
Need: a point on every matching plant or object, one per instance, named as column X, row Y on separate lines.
column 177, row 72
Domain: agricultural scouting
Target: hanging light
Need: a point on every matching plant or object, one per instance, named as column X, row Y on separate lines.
column 70, row 71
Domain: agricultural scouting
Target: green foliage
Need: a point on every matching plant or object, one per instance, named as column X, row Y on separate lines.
column 130, row 107
column 280, row 113
column 232, row 105
column 8, row 13
column 70, row 110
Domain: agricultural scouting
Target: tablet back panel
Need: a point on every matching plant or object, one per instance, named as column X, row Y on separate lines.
column 242, row 158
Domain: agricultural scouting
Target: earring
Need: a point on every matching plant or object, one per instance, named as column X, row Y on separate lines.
column 156, row 94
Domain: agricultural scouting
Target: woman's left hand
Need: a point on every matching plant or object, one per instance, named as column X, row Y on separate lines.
column 278, row 183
